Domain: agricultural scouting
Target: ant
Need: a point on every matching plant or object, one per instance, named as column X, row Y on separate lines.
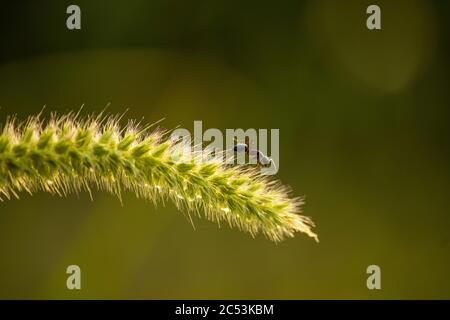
column 261, row 159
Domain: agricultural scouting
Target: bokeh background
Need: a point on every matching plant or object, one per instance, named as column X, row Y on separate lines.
column 363, row 118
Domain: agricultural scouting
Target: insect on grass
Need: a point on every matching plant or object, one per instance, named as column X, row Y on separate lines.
column 69, row 154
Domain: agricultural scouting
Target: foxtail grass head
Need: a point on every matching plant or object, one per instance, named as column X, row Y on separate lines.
column 67, row 154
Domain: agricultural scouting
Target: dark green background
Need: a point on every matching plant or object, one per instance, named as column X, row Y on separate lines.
column 363, row 118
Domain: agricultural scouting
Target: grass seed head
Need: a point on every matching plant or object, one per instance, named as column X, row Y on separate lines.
column 67, row 154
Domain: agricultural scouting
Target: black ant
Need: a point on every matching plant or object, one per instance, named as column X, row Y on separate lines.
column 261, row 159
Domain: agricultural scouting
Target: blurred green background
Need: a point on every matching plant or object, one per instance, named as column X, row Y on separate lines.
column 363, row 118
